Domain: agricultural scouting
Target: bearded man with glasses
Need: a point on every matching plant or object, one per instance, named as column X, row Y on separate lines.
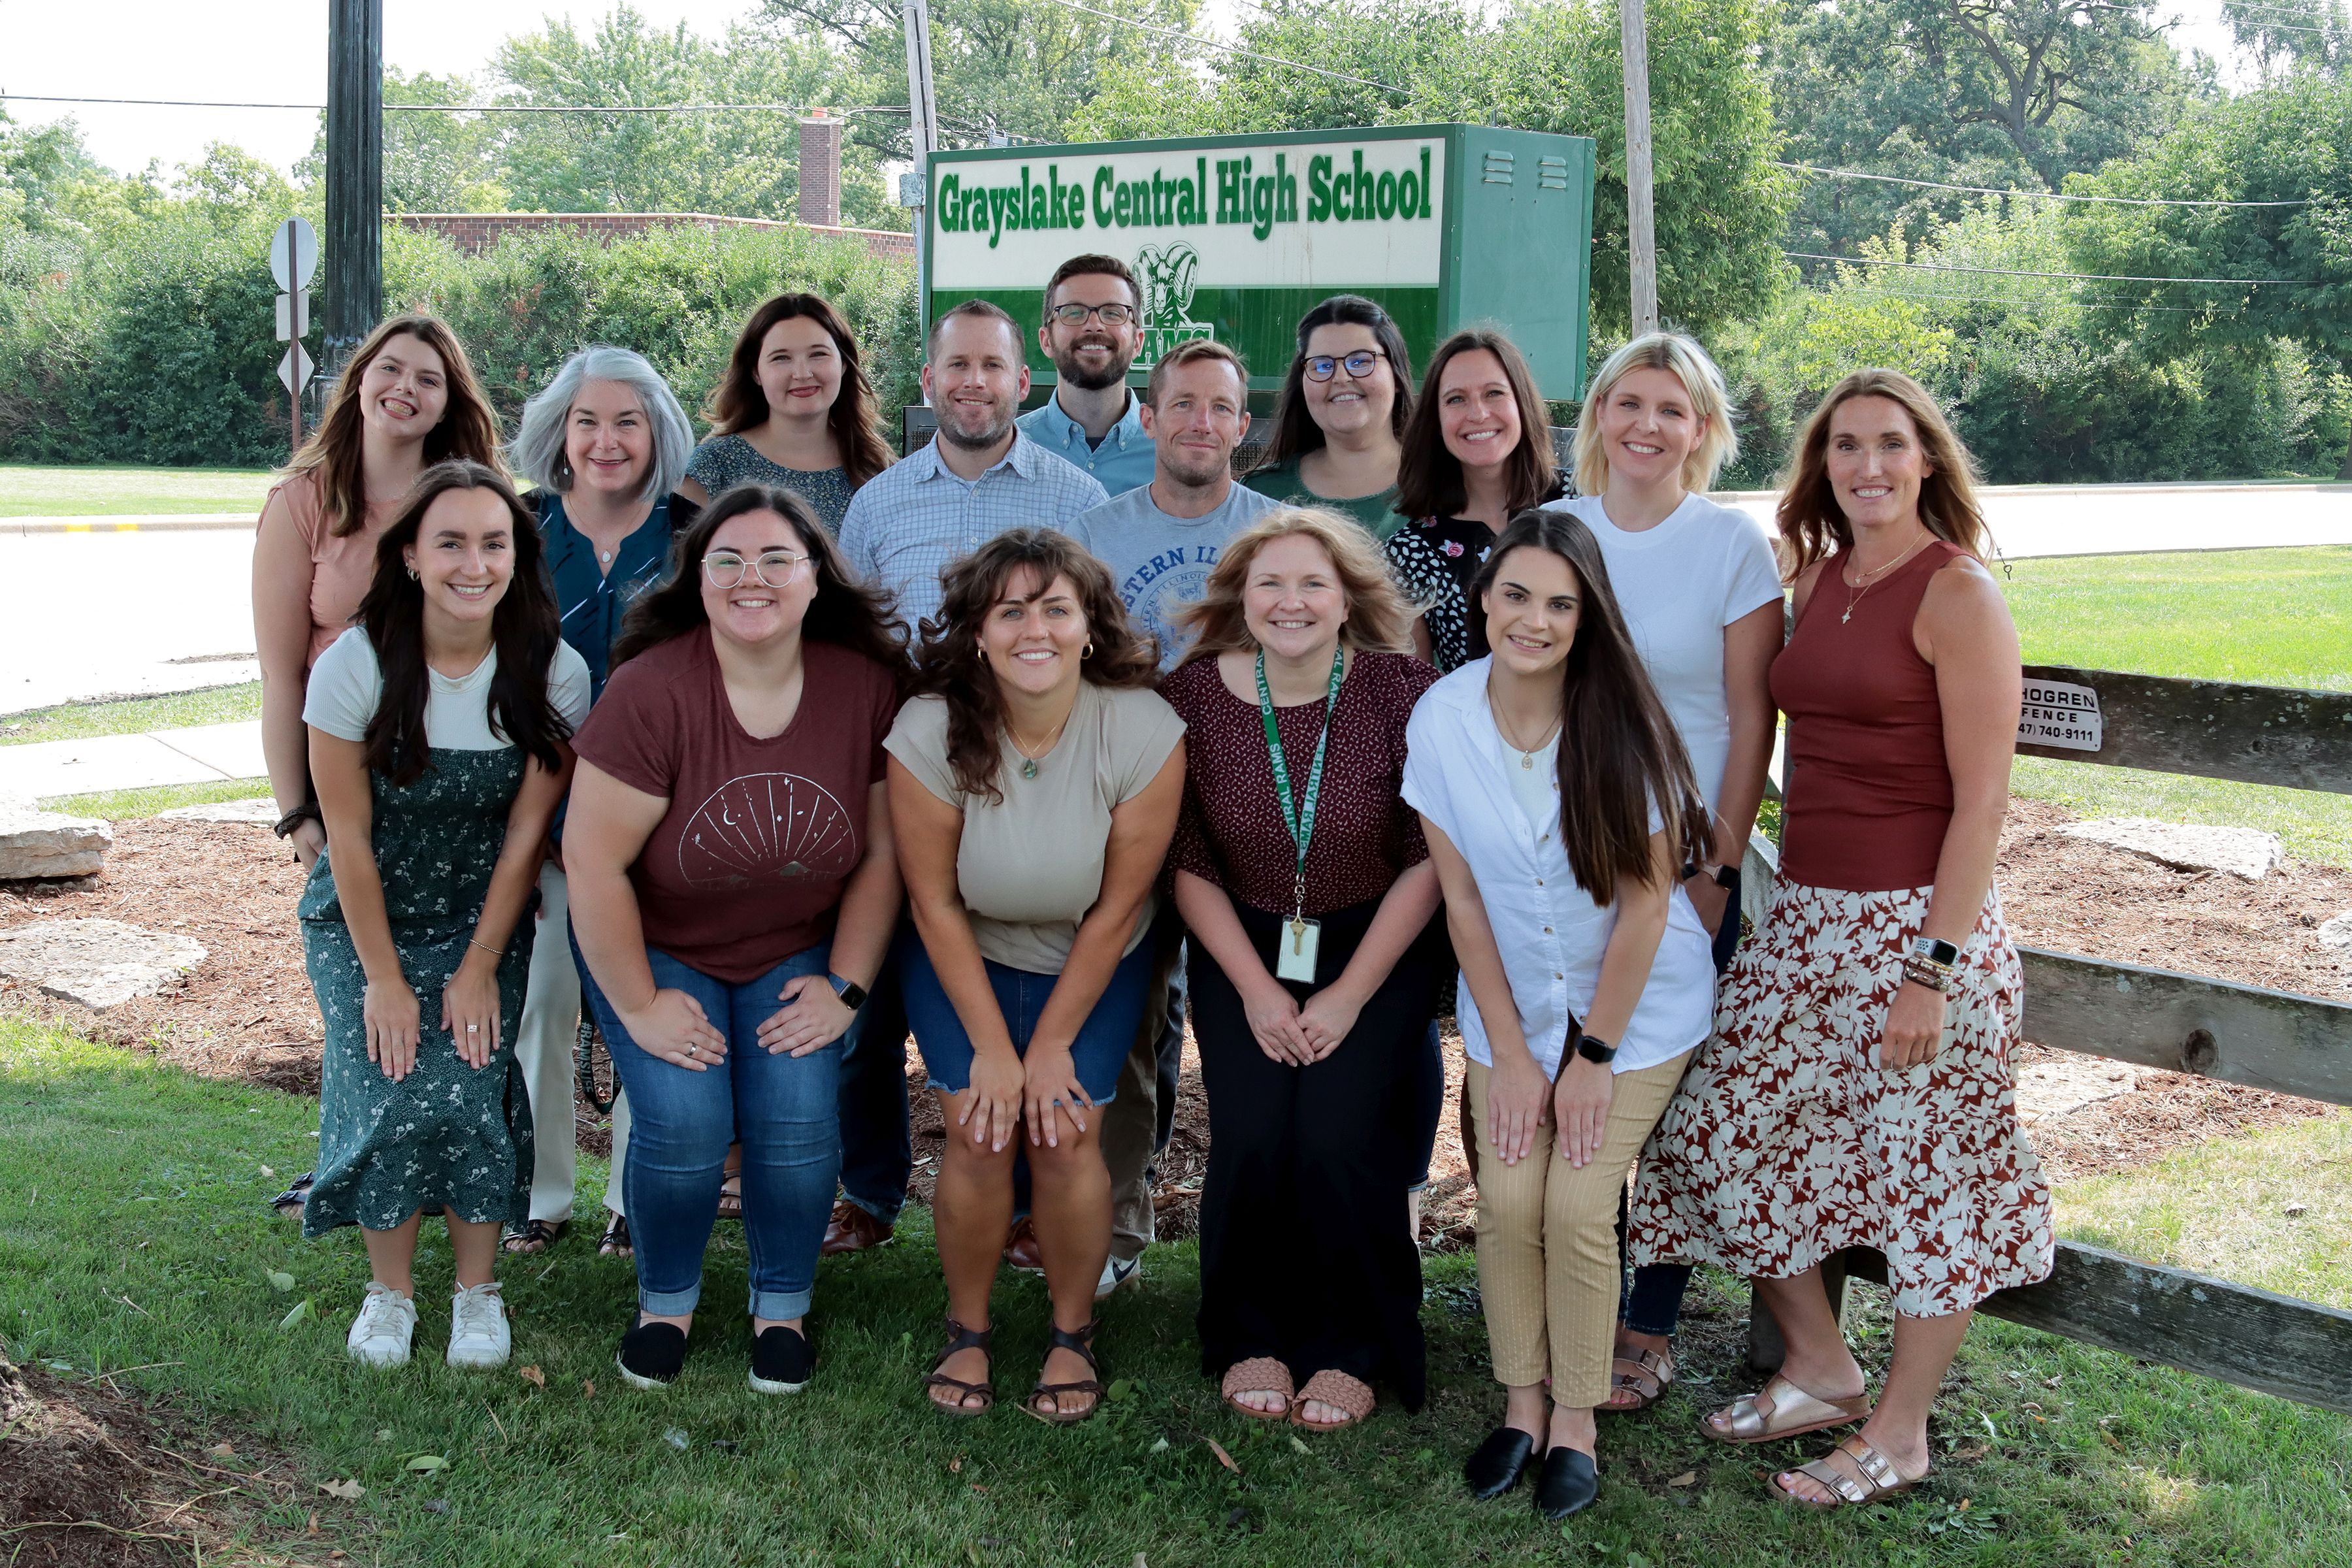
column 1092, row 330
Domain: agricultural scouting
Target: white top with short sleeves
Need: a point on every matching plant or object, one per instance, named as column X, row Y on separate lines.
column 346, row 685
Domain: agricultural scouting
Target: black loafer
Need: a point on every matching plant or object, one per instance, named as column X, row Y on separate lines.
column 1496, row 1464
column 651, row 1355
column 1568, row 1482
column 782, row 1361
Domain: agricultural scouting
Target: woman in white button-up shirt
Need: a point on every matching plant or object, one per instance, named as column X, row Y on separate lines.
column 1539, row 772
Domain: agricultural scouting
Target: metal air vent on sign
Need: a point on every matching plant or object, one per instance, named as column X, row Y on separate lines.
column 1498, row 169
column 1551, row 173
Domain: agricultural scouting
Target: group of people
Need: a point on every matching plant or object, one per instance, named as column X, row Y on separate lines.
column 771, row 752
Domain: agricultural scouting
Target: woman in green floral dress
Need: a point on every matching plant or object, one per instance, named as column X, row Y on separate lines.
column 438, row 729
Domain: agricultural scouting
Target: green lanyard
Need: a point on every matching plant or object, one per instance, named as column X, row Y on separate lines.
column 1299, row 818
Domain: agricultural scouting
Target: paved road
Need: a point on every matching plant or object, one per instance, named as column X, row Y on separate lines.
column 102, row 613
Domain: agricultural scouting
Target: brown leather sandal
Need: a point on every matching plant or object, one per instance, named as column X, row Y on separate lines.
column 1081, row 1341
column 1351, row 1394
column 1645, row 1375
column 962, row 1339
column 1875, row 1479
column 1795, row 1413
column 1259, row 1375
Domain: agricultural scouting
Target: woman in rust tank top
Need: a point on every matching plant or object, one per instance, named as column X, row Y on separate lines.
column 1857, row 1092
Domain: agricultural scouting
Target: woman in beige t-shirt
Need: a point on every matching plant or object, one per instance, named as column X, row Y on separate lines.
column 1034, row 788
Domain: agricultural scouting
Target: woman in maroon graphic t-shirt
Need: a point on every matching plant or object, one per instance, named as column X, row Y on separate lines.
column 733, row 889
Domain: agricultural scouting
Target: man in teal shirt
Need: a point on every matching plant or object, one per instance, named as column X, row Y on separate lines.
column 1092, row 332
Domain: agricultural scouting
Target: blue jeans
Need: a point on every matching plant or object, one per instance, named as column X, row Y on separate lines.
column 782, row 1109
column 1097, row 1055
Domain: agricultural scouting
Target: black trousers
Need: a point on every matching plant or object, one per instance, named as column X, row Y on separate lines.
column 1303, row 1252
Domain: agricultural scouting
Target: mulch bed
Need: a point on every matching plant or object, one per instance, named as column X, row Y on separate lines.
column 247, row 1013
column 91, row 1478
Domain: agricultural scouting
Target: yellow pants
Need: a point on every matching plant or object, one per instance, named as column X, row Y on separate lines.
column 1548, row 1269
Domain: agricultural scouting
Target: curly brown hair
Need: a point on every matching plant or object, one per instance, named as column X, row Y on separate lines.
column 948, row 666
column 737, row 404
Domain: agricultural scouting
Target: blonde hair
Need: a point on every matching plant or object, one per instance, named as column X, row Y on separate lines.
column 1379, row 618
column 1811, row 520
column 1702, row 384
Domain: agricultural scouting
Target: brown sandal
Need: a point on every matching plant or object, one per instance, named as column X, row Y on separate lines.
column 1082, row 1341
column 1646, row 1375
column 1259, row 1375
column 731, row 1197
column 962, row 1339
column 1795, row 1413
column 1875, row 1479
column 1351, row 1394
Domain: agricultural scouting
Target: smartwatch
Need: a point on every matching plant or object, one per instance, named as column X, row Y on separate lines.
column 1942, row 955
column 1593, row 1049
column 1727, row 877
column 852, row 995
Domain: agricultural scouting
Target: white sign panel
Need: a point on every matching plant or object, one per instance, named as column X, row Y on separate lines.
column 2058, row 713
column 294, row 254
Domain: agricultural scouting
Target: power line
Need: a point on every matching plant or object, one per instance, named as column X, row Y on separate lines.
column 2076, row 277
column 2049, row 304
column 2038, row 195
column 1230, row 49
column 491, row 107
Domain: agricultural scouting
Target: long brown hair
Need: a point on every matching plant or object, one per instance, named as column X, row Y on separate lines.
column 1428, row 478
column 845, row 612
column 737, row 404
column 1379, row 617
column 1296, row 434
column 468, row 427
column 1619, row 750
column 525, row 631
column 949, row 664
column 1812, row 525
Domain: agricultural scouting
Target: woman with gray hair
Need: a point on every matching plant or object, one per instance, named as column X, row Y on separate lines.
column 607, row 444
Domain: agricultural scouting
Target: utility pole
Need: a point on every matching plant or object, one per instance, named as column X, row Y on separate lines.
column 1641, row 224
column 354, row 237
column 923, row 111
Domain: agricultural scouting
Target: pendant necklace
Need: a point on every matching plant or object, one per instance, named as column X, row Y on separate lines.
column 1029, row 763
column 1857, row 590
column 1526, row 754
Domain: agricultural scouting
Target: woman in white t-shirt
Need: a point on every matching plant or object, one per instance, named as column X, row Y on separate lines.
column 440, row 730
column 1560, row 807
column 1701, row 593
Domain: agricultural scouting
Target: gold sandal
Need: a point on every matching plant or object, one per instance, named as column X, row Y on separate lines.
column 1795, row 1413
column 1259, row 1375
column 1352, row 1396
column 1875, row 1479
column 1649, row 1376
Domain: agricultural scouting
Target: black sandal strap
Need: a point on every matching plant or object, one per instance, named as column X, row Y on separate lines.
column 962, row 1339
column 1080, row 1342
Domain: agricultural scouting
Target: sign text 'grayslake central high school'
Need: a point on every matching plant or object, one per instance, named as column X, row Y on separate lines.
column 1236, row 238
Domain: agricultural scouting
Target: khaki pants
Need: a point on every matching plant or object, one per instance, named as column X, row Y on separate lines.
column 1548, row 1268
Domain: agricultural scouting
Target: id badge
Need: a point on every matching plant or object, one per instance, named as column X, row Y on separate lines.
column 1294, row 959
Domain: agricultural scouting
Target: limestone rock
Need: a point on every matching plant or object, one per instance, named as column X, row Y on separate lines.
column 98, row 963
column 261, row 812
column 2187, row 847
column 2068, row 1084
column 49, row 844
column 2336, row 936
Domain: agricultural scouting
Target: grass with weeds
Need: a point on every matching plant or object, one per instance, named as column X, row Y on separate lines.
column 134, row 716
column 137, row 805
column 29, row 490
column 133, row 1232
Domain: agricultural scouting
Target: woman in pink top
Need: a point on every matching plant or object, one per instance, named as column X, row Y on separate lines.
column 407, row 400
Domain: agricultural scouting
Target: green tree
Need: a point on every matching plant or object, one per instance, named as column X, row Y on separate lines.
column 2312, row 33
column 438, row 163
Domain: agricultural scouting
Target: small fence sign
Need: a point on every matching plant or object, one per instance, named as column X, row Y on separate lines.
column 2062, row 714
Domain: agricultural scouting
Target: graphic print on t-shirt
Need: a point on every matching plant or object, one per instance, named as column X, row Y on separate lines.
column 766, row 828
column 1163, row 587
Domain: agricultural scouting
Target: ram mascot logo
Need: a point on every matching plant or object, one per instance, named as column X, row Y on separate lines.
column 1168, row 273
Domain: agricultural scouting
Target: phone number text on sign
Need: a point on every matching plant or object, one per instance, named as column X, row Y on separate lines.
column 2059, row 714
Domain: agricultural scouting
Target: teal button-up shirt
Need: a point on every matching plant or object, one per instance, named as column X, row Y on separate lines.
column 1124, row 460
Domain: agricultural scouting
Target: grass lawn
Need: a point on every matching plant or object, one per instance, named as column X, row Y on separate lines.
column 2270, row 617
column 181, row 710
column 132, row 1233
column 138, row 805
column 38, row 491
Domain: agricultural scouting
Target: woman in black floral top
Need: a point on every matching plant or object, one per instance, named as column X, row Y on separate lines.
column 1477, row 452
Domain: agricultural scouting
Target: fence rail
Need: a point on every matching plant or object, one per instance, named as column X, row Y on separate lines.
column 2276, row 1040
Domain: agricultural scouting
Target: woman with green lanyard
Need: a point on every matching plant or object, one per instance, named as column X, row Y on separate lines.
column 1307, row 886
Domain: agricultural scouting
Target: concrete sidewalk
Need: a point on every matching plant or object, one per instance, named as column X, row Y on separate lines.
column 209, row 753
column 133, row 522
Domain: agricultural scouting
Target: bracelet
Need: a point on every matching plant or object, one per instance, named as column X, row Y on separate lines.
column 1934, row 977
column 306, row 812
column 486, row 947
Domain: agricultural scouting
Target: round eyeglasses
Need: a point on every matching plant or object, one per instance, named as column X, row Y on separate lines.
column 1322, row 367
column 1076, row 315
column 724, row 569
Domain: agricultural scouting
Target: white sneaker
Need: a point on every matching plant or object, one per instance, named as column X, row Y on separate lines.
column 478, row 1337
column 1116, row 1271
column 379, row 1334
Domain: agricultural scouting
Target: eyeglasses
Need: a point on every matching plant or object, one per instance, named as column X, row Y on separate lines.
column 1321, row 367
column 775, row 568
column 1076, row 315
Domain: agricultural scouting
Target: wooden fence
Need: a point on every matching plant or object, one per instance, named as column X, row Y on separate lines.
column 2183, row 1023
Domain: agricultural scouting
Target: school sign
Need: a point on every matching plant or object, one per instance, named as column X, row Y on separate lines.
column 1236, row 238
